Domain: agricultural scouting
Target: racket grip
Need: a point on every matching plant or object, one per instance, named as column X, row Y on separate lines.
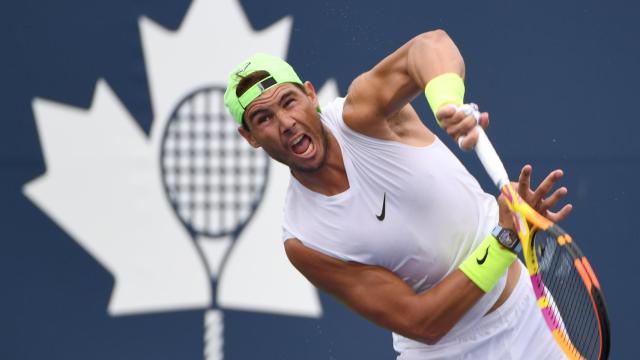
column 485, row 150
column 468, row 109
column 490, row 160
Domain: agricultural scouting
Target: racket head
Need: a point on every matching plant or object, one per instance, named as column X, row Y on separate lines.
column 567, row 290
column 557, row 307
column 213, row 179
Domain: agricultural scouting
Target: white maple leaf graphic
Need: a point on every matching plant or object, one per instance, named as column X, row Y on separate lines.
column 103, row 183
column 102, row 187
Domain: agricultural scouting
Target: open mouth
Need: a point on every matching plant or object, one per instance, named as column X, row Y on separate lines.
column 302, row 146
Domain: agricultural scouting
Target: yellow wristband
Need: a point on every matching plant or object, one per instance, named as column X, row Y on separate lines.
column 447, row 88
column 487, row 263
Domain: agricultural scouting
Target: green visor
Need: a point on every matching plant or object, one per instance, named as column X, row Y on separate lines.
column 279, row 70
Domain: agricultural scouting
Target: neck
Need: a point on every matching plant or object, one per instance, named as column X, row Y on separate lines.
column 331, row 178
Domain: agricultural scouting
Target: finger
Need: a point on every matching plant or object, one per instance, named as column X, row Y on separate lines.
column 524, row 181
column 484, row 120
column 556, row 217
column 463, row 127
column 447, row 123
column 445, row 112
column 470, row 140
column 505, row 217
column 546, row 186
column 551, row 201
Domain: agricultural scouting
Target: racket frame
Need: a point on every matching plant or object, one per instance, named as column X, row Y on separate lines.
column 523, row 216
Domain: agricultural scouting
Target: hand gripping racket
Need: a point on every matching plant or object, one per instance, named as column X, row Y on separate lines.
column 565, row 286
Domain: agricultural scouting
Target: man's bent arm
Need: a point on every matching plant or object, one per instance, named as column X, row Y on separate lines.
column 383, row 298
column 381, row 92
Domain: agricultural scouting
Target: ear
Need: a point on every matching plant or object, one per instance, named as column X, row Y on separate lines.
column 311, row 93
column 248, row 136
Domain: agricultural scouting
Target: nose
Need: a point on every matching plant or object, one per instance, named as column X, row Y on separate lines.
column 287, row 123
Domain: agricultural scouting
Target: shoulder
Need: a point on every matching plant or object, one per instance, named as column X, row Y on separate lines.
column 318, row 264
column 321, row 270
column 331, row 113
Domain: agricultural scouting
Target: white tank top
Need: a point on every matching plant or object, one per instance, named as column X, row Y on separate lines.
column 435, row 214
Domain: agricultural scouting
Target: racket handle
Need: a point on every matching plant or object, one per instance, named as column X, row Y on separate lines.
column 485, row 150
column 213, row 335
column 490, row 160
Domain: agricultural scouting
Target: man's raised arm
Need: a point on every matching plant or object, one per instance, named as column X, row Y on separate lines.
column 380, row 93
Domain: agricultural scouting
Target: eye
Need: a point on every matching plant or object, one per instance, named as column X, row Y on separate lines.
column 263, row 119
column 289, row 102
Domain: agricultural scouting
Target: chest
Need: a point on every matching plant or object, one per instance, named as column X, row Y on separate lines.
column 394, row 225
column 413, row 212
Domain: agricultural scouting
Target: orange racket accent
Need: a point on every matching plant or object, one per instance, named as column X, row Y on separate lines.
column 589, row 270
column 564, row 239
column 586, row 273
column 566, row 345
column 583, row 273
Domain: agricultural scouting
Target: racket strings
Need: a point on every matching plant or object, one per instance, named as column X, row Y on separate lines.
column 213, row 177
column 569, row 300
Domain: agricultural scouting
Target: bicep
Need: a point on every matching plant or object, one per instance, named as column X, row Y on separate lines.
column 381, row 91
column 400, row 77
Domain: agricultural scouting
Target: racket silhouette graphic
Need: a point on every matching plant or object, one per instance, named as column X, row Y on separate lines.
column 214, row 181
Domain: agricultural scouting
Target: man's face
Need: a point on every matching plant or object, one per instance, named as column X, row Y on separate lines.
column 285, row 123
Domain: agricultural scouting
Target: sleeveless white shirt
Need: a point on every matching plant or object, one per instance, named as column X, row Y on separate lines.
column 435, row 214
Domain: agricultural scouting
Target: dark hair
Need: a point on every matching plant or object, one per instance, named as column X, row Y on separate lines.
column 248, row 81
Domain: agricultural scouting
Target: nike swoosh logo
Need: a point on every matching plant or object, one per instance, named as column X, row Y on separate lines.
column 243, row 68
column 384, row 202
column 481, row 261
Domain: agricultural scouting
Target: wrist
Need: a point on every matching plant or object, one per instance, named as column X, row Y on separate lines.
column 507, row 238
column 487, row 263
column 444, row 89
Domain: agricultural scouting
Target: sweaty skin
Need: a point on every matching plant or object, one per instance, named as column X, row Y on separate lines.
column 285, row 123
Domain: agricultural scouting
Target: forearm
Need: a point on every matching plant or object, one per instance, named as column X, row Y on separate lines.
column 477, row 274
column 445, row 304
column 392, row 304
column 428, row 316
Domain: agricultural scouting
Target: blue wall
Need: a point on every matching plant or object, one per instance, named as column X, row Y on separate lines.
column 562, row 75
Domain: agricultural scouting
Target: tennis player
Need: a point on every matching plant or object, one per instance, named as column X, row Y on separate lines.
column 383, row 216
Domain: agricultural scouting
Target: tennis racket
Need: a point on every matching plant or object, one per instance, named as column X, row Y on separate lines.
column 565, row 286
column 214, row 181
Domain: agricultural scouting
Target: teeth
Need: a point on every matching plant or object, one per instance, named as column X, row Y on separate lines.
column 295, row 142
